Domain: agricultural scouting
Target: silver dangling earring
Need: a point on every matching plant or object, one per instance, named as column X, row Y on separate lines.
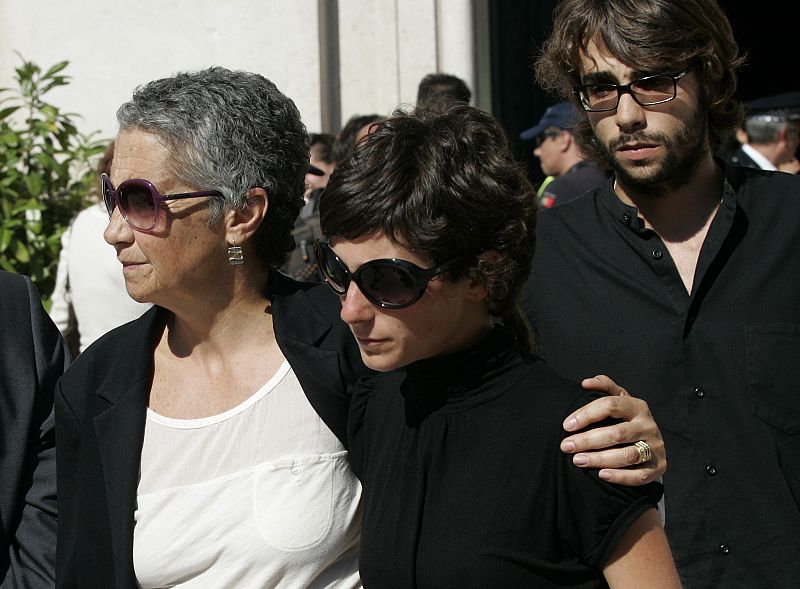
column 235, row 255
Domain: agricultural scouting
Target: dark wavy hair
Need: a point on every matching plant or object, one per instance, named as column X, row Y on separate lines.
column 323, row 143
column 648, row 35
column 230, row 131
column 440, row 179
column 345, row 142
column 443, row 87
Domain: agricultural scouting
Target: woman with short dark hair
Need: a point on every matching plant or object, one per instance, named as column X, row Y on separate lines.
column 431, row 229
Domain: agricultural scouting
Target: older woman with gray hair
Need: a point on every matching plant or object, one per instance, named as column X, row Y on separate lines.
column 190, row 445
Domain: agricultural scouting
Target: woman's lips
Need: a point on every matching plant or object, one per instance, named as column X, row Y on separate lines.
column 370, row 342
column 130, row 266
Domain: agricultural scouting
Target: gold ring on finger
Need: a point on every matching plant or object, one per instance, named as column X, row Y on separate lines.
column 644, row 451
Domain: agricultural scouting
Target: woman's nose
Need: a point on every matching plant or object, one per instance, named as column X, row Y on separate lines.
column 117, row 229
column 355, row 306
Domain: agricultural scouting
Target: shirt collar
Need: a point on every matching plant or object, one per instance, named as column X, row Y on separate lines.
column 758, row 158
column 628, row 215
column 582, row 164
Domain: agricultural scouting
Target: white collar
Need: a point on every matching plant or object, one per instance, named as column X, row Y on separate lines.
column 758, row 158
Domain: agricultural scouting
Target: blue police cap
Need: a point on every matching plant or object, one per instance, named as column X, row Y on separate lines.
column 561, row 116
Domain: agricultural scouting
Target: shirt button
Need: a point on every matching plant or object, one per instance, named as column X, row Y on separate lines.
column 711, row 471
column 699, row 392
column 724, row 549
column 657, row 254
column 626, row 217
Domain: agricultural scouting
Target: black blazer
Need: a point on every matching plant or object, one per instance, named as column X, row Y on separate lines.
column 32, row 357
column 101, row 406
column 740, row 158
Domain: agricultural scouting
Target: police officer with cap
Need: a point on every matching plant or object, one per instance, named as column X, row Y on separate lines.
column 772, row 129
column 568, row 173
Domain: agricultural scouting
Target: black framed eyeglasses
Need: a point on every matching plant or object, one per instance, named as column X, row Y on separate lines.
column 389, row 283
column 140, row 202
column 541, row 137
column 645, row 91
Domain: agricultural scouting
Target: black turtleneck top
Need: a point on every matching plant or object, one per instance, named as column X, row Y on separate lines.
column 464, row 482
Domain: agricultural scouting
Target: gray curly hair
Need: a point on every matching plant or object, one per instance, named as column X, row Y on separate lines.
column 230, row 131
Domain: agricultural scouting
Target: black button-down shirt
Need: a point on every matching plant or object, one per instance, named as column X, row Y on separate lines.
column 720, row 368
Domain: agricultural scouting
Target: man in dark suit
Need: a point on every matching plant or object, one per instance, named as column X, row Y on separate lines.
column 32, row 358
column 772, row 128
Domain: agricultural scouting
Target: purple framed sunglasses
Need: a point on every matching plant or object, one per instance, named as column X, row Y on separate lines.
column 140, row 202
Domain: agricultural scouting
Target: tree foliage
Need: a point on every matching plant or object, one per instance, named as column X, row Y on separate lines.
column 46, row 173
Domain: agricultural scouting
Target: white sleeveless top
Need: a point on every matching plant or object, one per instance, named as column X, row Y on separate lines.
column 259, row 496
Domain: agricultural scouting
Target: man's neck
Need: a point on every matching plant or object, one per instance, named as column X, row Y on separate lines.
column 678, row 214
column 682, row 216
column 568, row 162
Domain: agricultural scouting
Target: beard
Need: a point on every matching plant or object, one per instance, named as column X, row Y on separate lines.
column 684, row 151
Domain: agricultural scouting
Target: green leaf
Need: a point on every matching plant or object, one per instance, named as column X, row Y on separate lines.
column 7, row 111
column 6, row 265
column 56, row 68
column 50, row 112
column 55, row 82
column 34, row 184
column 46, row 160
column 12, row 223
column 9, row 138
column 5, row 238
column 31, row 204
column 22, row 254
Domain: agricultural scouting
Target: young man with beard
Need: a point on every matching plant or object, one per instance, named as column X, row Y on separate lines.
column 679, row 278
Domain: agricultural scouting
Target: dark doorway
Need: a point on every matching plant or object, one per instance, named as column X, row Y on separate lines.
column 768, row 35
column 517, row 29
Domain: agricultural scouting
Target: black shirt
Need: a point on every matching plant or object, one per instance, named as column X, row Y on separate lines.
column 464, row 482
column 720, row 369
column 581, row 178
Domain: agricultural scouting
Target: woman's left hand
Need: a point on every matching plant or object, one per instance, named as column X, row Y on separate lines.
column 611, row 448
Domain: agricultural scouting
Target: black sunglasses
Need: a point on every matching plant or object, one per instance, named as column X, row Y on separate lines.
column 389, row 283
column 140, row 202
column 541, row 137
